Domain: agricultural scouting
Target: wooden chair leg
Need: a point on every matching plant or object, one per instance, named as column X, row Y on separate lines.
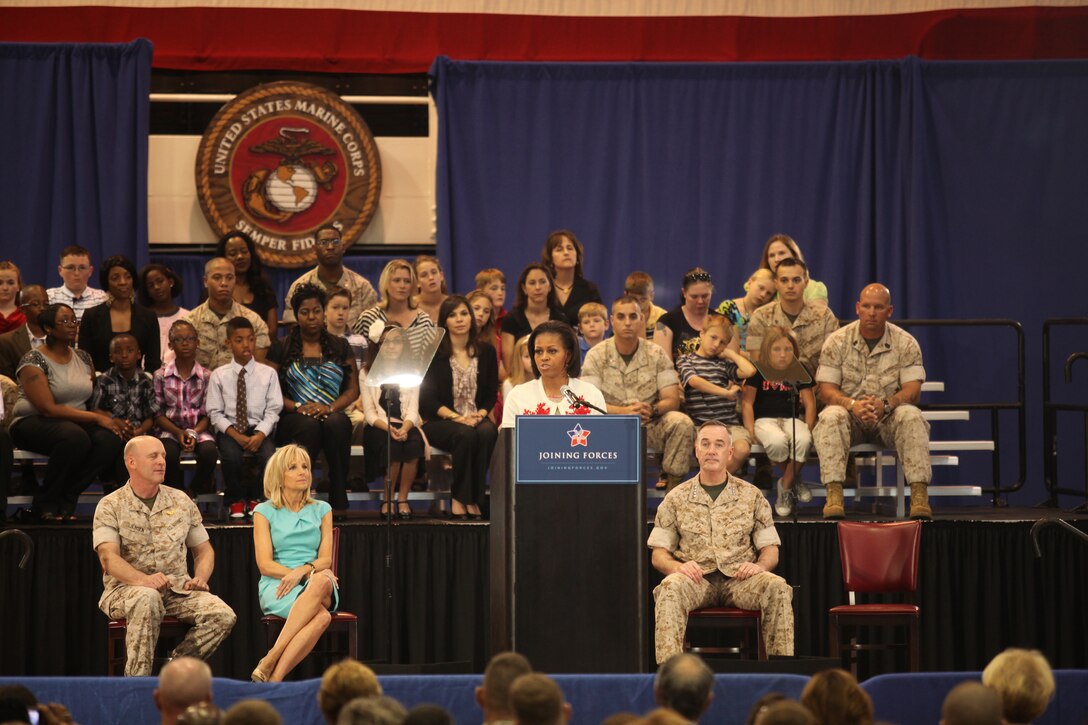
column 913, row 644
column 835, row 643
column 353, row 640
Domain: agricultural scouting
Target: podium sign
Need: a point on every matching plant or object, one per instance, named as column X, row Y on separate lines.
column 568, row 543
column 577, row 449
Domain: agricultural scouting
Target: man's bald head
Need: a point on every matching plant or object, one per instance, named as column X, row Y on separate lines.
column 878, row 290
column 874, row 308
column 971, row 703
column 184, row 681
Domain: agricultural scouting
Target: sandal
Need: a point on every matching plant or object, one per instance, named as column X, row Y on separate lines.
column 385, row 510
column 402, row 514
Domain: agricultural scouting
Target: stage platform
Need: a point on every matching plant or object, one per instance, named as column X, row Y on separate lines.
column 982, row 589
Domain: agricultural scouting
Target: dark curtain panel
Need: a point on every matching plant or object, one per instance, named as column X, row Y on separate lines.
column 50, row 623
column 75, row 125
column 958, row 184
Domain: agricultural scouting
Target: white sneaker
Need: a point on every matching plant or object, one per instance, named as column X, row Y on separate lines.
column 802, row 491
column 783, row 504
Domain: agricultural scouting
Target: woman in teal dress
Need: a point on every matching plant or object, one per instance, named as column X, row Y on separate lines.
column 292, row 540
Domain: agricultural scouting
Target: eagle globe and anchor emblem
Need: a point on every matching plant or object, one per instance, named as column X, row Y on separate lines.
column 283, row 159
column 292, row 187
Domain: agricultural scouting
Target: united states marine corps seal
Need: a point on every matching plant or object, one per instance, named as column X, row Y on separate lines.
column 283, row 159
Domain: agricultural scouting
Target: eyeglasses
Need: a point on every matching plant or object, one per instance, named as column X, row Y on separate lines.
column 76, row 268
column 327, row 242
column 185, row 338
column 30, row 305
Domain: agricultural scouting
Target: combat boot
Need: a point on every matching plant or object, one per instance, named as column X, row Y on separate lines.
column 919, row 502
column 833, row 507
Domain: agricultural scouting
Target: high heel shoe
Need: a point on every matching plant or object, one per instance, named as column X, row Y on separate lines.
column 402, row 514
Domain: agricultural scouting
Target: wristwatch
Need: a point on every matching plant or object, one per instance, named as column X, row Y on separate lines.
column 887, row 408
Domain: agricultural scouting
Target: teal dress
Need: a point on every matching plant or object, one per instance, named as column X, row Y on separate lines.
column 295, row 541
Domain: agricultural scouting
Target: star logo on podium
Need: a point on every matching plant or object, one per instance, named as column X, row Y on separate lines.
column 579, row 436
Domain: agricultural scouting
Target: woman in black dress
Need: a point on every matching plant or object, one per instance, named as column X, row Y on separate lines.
column 534, row 303
column 563, row 255
column 119, row 313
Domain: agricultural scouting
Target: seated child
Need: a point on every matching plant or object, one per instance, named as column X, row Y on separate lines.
column 641, row 286
column 592, row 325
column 181, row 387
column 244, row 403
column 520, row 371
column 337, row 308
column 769, row 409
column 125, row 391
column 711, row 376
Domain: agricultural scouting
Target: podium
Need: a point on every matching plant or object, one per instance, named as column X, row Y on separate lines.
column 568, row 544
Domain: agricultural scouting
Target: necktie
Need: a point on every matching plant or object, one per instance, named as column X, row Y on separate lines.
column 241, row 411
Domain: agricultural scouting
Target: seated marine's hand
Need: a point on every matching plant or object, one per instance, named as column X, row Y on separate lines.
column 196, row 584
column 691, row 570
column 747, row 570
column 158, row 581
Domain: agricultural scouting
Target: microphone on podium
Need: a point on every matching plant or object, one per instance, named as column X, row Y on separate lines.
column 578, row 402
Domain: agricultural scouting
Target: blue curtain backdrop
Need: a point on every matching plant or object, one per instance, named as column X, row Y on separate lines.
column 959, row 185
column 74, row 124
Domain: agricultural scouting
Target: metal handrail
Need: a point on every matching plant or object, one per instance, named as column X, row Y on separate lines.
column 1019, row 404
column 28, row 544
column 1042, row 523
column 1050, row 415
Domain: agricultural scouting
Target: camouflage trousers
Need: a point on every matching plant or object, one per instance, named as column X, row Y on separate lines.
column 144, row 608
column 674, row 435
column 904, row 429
column 677, row 595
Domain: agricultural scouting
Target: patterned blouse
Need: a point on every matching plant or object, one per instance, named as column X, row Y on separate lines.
column 313, row 380
column 464, row 386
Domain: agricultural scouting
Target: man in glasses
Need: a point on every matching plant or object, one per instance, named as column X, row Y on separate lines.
column 32, row 300
column 75, row 269
column 330, row 273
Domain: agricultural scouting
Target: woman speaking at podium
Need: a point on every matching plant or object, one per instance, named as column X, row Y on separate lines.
column 553, row 349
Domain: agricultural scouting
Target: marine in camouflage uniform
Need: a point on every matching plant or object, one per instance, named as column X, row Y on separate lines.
column 646, row 385
column 154, row 539
column 810, row 326
column 730, row 538
column 872, row 365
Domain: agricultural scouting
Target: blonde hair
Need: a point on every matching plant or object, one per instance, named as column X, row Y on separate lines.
column 713, row 321
column 591, row 309
column 518, row 373
column 387, row 274
column 277, row 469
column 1024, row 682
column 762, row 273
